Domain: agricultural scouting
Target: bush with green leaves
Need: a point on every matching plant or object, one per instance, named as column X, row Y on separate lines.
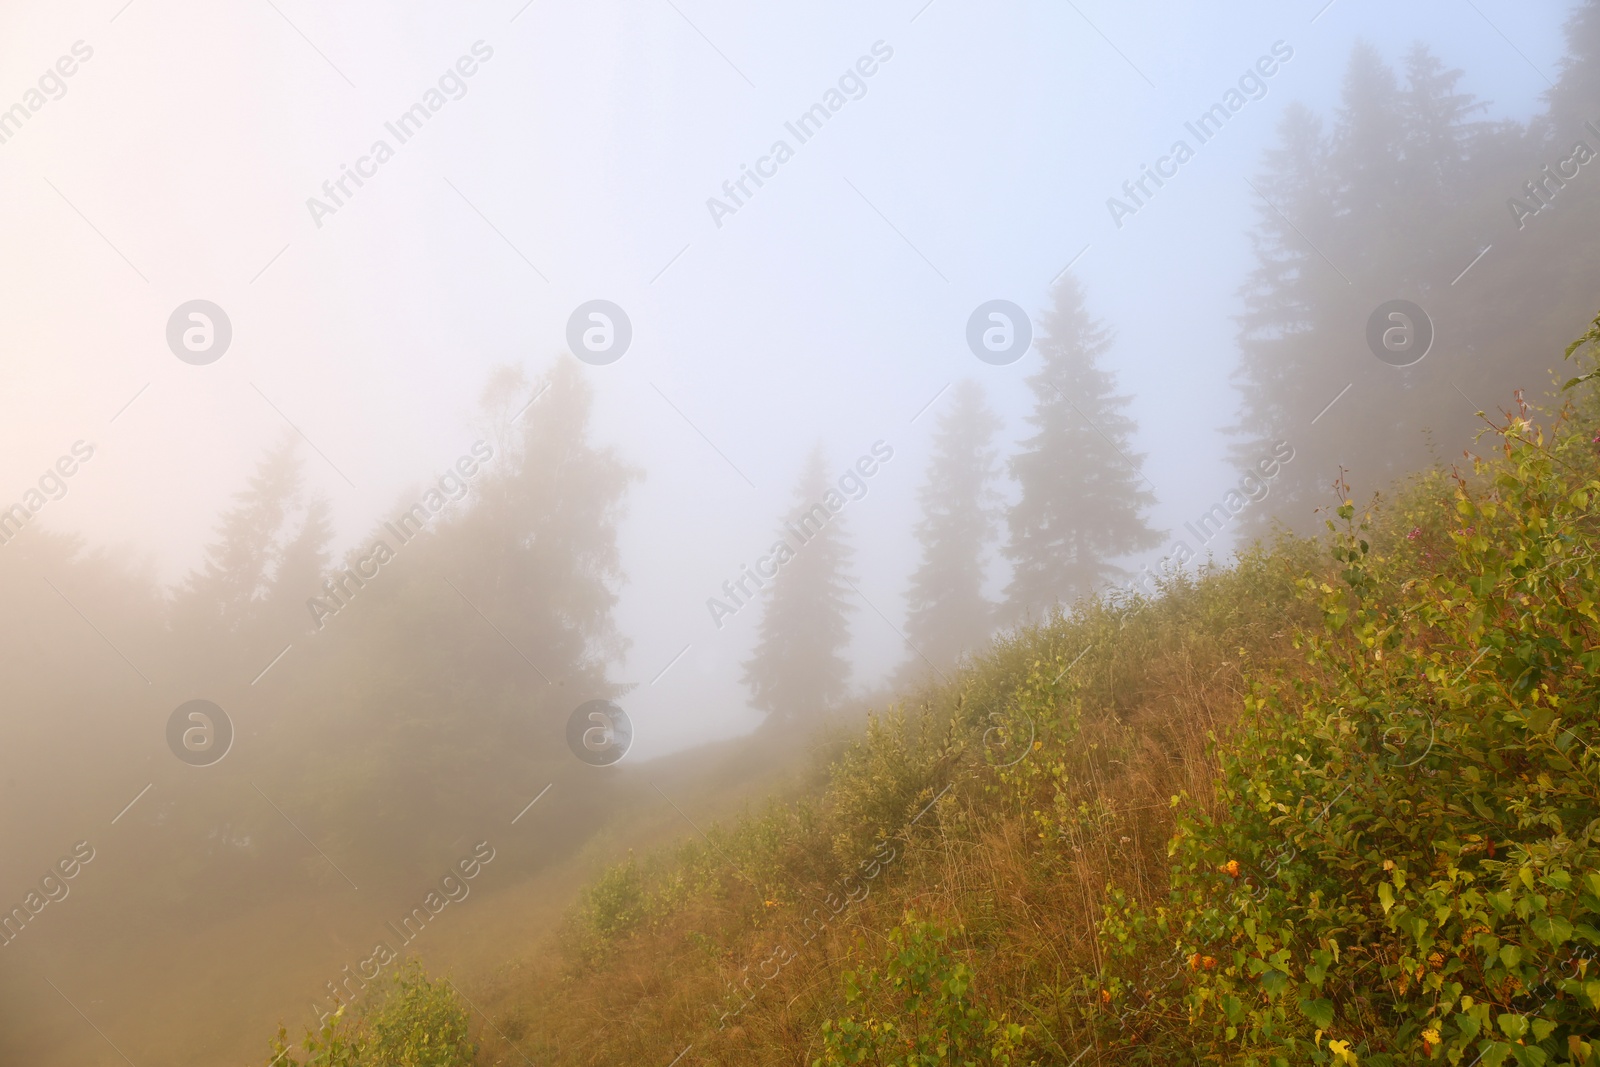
column 1406, row 869
column 918, row 1010
column 414, row 1022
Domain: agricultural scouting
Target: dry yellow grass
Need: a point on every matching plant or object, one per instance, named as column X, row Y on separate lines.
column 1019, row 859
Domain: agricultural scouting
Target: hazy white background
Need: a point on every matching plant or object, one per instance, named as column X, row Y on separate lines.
column 591, row 140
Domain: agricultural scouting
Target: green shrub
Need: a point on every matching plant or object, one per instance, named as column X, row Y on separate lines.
column 1407, row 869
column 416, row 1022
column 615, row 903
column 918, row 1010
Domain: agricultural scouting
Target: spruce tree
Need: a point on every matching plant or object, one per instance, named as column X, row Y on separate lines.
column 798, row 668
column 235, row 612
column 538, row 542
column 460, row 661
column 302, row 562
column 1284, row 377
column 1393, row 202
column 1437, row 138
column 1578, row 86
column 223, row 595
column 1082, row 502
column 949, row 613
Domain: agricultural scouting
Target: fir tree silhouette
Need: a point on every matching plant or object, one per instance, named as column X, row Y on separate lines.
column 949, row 613
column 1083, row 500
column 798, row 669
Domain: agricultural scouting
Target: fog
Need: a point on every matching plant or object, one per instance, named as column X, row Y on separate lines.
column 232, row 370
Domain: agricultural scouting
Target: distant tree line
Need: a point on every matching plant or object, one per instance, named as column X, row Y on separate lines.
column 387, row 729
column 1396, row 199
column 1080, row 507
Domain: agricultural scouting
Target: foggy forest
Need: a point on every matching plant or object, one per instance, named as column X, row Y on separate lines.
column 673, row 534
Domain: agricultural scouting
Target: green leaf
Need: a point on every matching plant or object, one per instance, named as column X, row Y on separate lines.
column 1495, row 1053
column 1553, row 929
column 1319, row 1011
column 1274, row 982
column 1529, row 1055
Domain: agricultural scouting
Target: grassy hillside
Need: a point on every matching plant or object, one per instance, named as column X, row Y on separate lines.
column 1337, row 803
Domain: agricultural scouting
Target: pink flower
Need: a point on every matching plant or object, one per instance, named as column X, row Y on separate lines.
column 1416, row 532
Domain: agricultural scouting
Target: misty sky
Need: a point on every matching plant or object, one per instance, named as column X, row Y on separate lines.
column 576, row 164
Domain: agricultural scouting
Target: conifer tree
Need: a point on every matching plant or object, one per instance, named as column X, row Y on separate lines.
column 1556, row 256
column 1082, row 502
column 1578, row 87
column 488, row 625
column 1281, row 380
column 799, row 668
column 238, row 565
column 243, row 603
column 949, row 613
column 1333, row 214
column 1391, row 203
column 301, row 565
column 541, row 533
column 1437, row 138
